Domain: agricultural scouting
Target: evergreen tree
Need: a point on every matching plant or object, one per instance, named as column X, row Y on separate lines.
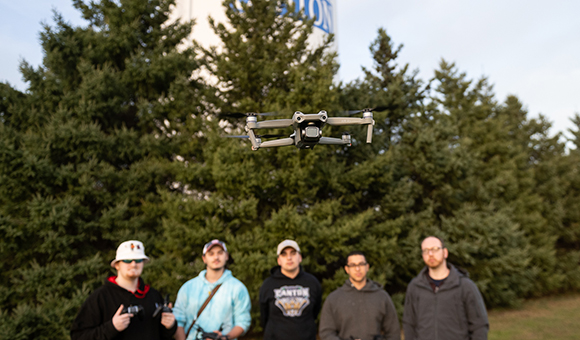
column 84, row 152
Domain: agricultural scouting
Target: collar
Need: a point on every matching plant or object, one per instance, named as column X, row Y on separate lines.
column 142, row 288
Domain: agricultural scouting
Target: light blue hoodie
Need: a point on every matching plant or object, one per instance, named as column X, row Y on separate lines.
column 228, row 308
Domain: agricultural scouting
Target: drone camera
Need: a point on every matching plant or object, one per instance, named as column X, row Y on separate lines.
column 311, row 132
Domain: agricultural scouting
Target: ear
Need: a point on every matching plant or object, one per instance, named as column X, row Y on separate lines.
column 203, row 258
column 279, row 260
column 445, row 253
column 299, row 258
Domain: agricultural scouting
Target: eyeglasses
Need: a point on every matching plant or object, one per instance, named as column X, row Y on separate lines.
column 359, row 265
column 431, row 250
column 129, row 261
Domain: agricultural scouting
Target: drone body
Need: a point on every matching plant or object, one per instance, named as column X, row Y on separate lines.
column 307, row 129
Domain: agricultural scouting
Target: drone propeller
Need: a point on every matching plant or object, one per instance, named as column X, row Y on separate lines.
column 257, row 136
column 246, row 114
column 378, row 108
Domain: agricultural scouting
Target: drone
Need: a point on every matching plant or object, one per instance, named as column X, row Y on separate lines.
column 307, row 129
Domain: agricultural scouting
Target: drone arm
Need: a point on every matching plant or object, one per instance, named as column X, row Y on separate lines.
column 277, row 142
column 253, row 139
column 335, row 141
column 341, row 121
column 271, row 124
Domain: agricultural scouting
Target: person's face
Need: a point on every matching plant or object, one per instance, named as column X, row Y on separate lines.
column 129, row 271
column 433, row 253
column 215, row 258
column 357, row 268
column 289, row 259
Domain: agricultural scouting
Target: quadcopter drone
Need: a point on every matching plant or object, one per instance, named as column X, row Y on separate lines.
column 307, row 129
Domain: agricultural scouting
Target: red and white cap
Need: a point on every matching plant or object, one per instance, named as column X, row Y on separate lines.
column 212, row 243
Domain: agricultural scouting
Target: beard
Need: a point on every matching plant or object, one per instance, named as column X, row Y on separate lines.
column 434, row 263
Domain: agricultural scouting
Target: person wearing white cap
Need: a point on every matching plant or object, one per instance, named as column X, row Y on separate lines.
column 124, row 307
column 290, row 298
column 214, row 301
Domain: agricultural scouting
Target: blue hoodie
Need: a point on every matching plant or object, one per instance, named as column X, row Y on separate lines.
column 228, row 308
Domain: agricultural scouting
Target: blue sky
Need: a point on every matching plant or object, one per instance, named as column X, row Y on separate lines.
column 527, row 48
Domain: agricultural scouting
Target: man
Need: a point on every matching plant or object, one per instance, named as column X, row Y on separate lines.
column 102, row 315
column 441, row 302
column 228, row 311
column 290, row 298
column 361, row 309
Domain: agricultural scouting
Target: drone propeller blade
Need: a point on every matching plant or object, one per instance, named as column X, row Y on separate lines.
column 233, row 115
column 246, row 114
column 238, row 136
column 377, row 109
column 257, row 136
column 380, row 108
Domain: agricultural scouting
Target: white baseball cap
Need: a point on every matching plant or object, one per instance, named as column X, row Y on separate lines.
column 130, row 250
column 285, row 244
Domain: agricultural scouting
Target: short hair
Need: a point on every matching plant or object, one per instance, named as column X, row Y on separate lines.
column 355, row 252
column 437, row 237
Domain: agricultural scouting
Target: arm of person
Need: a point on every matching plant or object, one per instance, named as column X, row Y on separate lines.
column 409, row 316
column 390, row 326
column 179, row 311
column 179, row 333
column 477, row 322
column 328, row 329
column 264, row 307
column 242, row 317
column 88, row 323
column 317, row 299
column 169, row 325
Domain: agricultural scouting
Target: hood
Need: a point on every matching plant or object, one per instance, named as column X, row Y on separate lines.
column 142, row 288
column 276, row 272
column 451, row 281
column 226, row 275
column 371, row 286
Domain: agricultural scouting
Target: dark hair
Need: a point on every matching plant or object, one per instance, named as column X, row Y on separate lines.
column 355, row 252
column 437, row 237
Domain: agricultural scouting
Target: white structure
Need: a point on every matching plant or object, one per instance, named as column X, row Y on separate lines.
column 199, row 10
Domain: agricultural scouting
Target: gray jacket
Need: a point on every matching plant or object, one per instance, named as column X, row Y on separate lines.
column 455, row 312
column 349, row 313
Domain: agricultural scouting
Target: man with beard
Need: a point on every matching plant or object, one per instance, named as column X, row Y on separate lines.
column 359, row 310
column 442, row 302
column 290, row 298
column 102, row 316
column 228, row 311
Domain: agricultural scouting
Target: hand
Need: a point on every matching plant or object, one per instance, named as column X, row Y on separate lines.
column 121, row 321
column 168, row 319
column 220, row 335
column 217, row 332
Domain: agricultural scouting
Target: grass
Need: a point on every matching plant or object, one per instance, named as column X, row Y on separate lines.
column 553, row 318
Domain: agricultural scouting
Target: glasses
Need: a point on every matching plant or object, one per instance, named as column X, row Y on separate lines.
column 431, row 250
column 129, row 261
column 359, row 265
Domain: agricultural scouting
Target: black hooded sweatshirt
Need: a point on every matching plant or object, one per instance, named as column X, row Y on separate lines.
column 95, row 318
column 289, row 307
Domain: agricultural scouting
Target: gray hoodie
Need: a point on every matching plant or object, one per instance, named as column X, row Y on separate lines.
column 455, row 312
column 363, row 314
